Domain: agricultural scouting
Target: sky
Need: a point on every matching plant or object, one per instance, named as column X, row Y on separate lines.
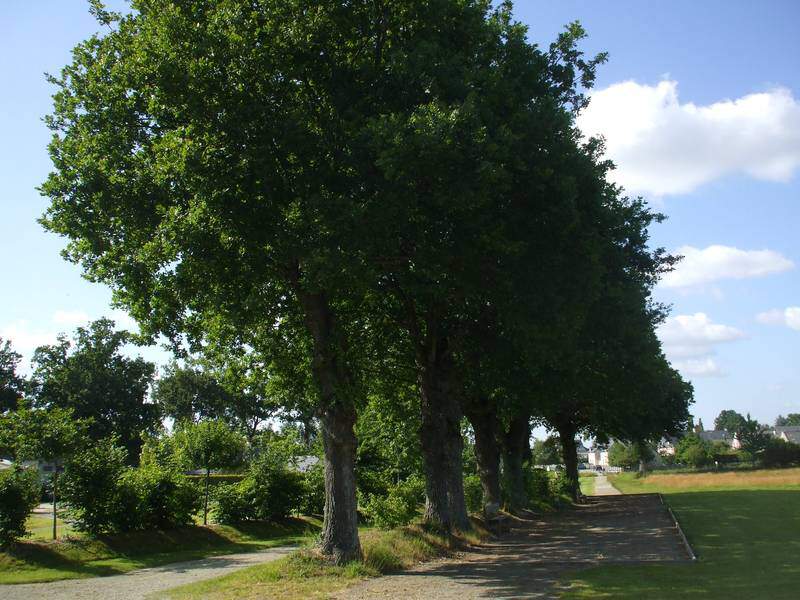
column 699, row 105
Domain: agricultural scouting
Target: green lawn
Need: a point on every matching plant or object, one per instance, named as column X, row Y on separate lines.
column 78, row 556
column 587, row 483
column 745, row 529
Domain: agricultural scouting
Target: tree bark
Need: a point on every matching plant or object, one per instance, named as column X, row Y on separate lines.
column 335, row 385
column 569, row 452
column 516, row 445
column 442, row 444
column 483, row 417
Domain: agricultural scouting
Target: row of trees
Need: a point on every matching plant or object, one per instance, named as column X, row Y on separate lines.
column 383, row 204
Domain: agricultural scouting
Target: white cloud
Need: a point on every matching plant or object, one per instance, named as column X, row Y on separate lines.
column 25, row 337
column 706, row 265
column 661, row 146
column 789, row 317
column 702, row 367
column 689, row 342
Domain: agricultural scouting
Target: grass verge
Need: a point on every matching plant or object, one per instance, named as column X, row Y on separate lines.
column 587, row 483
column 71, row 558
column 305, row 574
column 744, row 528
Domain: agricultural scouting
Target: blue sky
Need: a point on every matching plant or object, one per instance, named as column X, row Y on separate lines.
column 700, row 106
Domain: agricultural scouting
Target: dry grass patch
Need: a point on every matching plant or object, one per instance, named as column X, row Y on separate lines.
column 766, row 478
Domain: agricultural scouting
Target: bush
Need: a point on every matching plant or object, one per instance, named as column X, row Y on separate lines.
column 780, row 453
column 270, row 491
column 154, row 497
column 558, row 487
column 313, row 502
column 398, row 507
column 694, row 451
column 235, row 503
column 19, row 495
column 90, row 486
column 473, row 493
column 537, row 485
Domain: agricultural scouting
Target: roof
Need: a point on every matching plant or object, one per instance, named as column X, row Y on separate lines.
column 787, row 429
column 792, row 436
column 716, row 435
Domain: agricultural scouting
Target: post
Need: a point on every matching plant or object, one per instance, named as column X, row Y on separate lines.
column 205, row 508
column 55, row 486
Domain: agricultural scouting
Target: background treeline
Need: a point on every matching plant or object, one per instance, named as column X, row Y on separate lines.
column 385, row 210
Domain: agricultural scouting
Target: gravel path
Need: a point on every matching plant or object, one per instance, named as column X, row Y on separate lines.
column 603, row 487
column 528, row 562
column 140, row 584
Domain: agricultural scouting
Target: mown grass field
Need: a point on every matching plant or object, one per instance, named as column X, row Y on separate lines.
column 744, row 527
column 36, row 560
column 305, row 575
column 587, row 483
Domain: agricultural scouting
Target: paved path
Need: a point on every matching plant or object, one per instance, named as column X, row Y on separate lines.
column 140, row 584
column 528, row 562
column 603, row 487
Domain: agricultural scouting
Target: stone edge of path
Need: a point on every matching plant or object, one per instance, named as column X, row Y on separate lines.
column 690, row 551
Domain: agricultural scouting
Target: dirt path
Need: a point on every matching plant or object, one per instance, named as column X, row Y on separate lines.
column 528, row 561
column 140, row 584
column 603, row 487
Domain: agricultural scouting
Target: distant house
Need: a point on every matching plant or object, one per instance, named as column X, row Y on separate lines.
column 598, row 457
column 666, row 447
column 787, row 433
column 45, row 467
column 583, row 453
column 302, row 464
column 717, row 435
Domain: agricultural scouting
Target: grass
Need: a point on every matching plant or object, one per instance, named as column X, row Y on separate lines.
column 587, row 481
column 744, row 527
column 76, row 557
column 304, row 574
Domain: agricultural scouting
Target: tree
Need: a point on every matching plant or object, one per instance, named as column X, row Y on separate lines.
column 790, row 420
column 91, row 377
column 189, row 393
column 729, row 420
column 629, row 455
column 752, row 435
column 51, row 435
column 694, row 451
column 11, row 384
column 19, row 495
column 210, row 445
column 547, row 451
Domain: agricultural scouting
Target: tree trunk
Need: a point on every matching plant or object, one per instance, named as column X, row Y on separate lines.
column 569, row 452
column 55, row 510
column 340, row 524
column 205, row 506
column 483, row 418
column 335, row 385
column 442, row 447
column 516, row 444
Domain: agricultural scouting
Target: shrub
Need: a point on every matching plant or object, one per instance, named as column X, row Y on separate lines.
column 780, row 453
column 473, row 493
column 277, row 490
column 313, row 502
column 235, row 502
column 154, row 497
column 270, row 491
column 537, row 485
column 398, row 507
column 694, row 451
column 90, row 486
column 19, row 495
column 558, row 487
